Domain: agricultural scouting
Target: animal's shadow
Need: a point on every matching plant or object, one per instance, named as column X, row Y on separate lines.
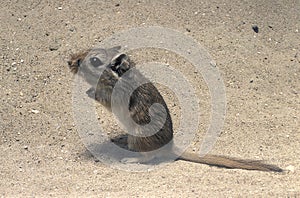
column 93, row 150
column 115, row 150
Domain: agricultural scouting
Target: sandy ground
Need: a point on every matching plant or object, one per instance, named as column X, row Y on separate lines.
column 41, row 151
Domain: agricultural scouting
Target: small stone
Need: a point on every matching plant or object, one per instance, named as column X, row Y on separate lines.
column 290, row 168
column 59, row 8
column 21, row 94
column 13, row 63
column 54, row 46
column 21, row 61
column 26, row 147
column 255, row 28
column 213, row 63
column 35, row 111
column 72, row 29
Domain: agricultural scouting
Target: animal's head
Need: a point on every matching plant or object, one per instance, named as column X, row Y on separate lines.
column 92, row 63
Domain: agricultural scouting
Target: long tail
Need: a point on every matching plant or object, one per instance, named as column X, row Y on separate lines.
column 228, row 162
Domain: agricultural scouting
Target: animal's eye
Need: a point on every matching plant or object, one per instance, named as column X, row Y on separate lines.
column 78, row 62
column 96, row 62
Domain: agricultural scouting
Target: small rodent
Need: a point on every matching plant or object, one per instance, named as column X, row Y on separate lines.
column 103, row 68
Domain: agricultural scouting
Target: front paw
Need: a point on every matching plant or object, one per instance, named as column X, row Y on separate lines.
column 130, row 160
column 91, row 92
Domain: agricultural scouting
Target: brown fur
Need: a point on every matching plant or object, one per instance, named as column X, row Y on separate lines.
column 140, row 101
column 75, row 60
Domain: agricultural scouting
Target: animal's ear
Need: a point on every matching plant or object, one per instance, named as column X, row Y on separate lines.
column 112, row 52
column 116, row 48
column 119, row 59
column 120, row 63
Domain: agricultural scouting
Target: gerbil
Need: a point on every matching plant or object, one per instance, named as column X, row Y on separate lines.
column 103, row 68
